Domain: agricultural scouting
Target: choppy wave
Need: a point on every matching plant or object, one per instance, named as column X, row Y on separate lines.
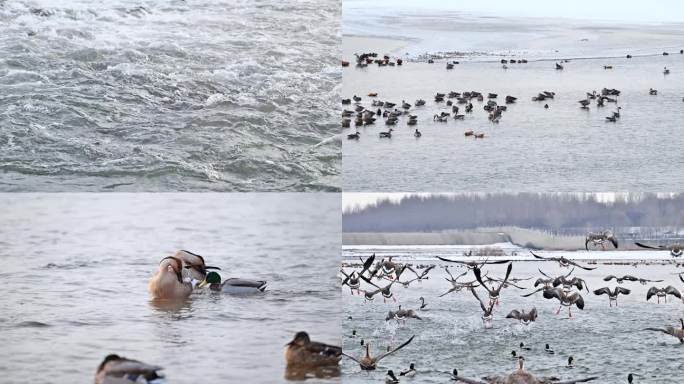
column 169, row 95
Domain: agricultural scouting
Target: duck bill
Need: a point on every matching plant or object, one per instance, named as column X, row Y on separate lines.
column 202, row 284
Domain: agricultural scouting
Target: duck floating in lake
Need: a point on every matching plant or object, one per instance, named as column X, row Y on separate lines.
column 232, row 285
column 302, row 352
column 115, row 369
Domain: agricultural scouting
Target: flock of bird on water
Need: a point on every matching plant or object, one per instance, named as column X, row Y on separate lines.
column 180, row 275
column 367, row 276
column 458, row 104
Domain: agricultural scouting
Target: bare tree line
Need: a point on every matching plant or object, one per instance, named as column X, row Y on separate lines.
column 557, row 213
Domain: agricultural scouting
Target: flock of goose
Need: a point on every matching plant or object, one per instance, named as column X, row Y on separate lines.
column 174, row 281
column 371, row 279
column 457, row 104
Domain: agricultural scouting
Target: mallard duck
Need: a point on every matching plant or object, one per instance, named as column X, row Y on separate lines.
column 369, row 363
column 233, row 285
column 390, row 378
column 115, row 369
column 167, row 283
column 302, row 352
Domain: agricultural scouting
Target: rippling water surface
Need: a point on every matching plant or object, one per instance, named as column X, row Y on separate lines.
column 606, row 342
column 76, row 267
column 169, row 95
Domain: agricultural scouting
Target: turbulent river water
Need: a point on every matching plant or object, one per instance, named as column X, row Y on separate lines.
column 76, row 268
column 169, row 95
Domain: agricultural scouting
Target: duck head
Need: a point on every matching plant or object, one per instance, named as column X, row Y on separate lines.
column 301, row 339
column 211, row 278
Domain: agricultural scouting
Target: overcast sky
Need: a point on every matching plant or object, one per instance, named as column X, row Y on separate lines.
column 652, row 11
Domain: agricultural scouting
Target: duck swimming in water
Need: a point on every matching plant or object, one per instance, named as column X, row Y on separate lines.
column 390, row 378
column 115, row 369
column 232, row 285
column 520, row 376
column 168, row 283
column 409, row 372
column 369, row 363
column 302, row 352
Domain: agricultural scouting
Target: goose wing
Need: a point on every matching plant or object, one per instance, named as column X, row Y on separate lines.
column 646, row 246
column 484, row 309
column 614, row 241
column 580, row 266
column 622, row 290
column 602, row 291
column 651, row 291
column 576, row 381
column 577, row 299
column 670, row 290
column 478, row 277
column 609, row 278
column 552, row 293
column 514, row 314
column 351, row 357
column 544, row 258
column 532, row 293
column 368, row 263
column 407, row 342
column 681, row 278
column 367, row 280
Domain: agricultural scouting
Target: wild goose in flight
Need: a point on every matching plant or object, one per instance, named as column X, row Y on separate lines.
column 487, row 311
column 525, row 318
column 568, row 284
column 663, row 292
column 549, row 280
column 678, row 333
column 385, row 291
column 474, row 264
column 494, row 292
column 612, row 295
column 602, row 237
column 369, row 363
column 520, row 376
column 619, row 280
column 566, row 299
column 565, row 263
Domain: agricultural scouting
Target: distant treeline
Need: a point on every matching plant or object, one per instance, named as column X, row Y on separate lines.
column 552, row 212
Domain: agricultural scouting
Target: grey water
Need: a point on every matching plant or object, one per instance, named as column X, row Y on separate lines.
column 169, row 95
column 605, row 342
column 75, row 269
